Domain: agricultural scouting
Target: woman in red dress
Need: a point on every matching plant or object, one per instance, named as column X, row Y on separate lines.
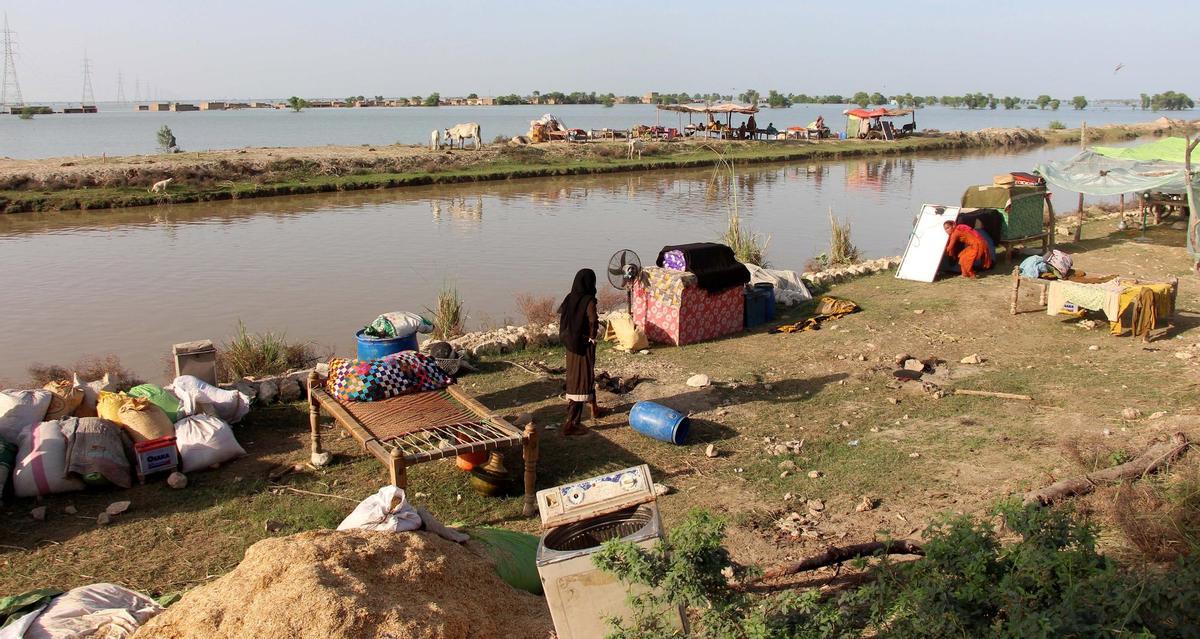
column 973, row 248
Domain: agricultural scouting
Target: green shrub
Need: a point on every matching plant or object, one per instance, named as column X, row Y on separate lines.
column 1056, row 125
column 1051, row 582
column 841, row 249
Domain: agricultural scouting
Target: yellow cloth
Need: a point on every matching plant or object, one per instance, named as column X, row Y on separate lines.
column 666, row 286
column 1153, row 303
column 620, row 328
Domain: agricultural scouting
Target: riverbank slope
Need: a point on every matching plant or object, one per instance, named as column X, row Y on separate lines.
column 100, row 183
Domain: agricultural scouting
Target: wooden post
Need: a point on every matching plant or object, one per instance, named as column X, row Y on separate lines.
column 314, row 416
column 1193, row 223
column 530, row 454
column 1016, row 289
column 398, row 469
column 1082, row 147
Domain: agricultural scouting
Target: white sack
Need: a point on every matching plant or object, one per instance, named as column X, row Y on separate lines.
column 204, row 440
column 41, row 467
column 198, row 396
column 20, row 409
column 789, row 288
column 377, row 513
column 98, row 610
column 91, row 390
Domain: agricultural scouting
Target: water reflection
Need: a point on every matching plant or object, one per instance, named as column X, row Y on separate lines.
column 281, row 263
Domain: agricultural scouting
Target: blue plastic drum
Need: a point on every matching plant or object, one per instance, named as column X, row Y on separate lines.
column 661, row 423
column 376, row 347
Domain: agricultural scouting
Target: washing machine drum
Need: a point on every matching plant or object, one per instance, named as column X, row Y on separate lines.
column 635, row 524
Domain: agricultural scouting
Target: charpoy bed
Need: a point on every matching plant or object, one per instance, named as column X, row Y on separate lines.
column 410, row 429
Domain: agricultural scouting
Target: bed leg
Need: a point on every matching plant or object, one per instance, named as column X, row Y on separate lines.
column 1016, row 290
column 530, row 453
column 318, row 457
column 398, row 470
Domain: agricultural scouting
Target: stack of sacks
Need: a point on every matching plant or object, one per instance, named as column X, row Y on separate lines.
column 91, row 395
column 141, row 418
column 20, row 409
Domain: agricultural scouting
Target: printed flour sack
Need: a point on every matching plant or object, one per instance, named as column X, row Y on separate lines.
column 42, row 462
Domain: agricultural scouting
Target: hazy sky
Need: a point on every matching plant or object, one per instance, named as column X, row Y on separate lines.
column 188, row 49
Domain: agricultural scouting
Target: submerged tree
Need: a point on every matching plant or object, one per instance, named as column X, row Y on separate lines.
column 1043, row 101
column 1079, row 102
column 27, row 113
column 166, row 139
column 434, row 99
column 297, row 103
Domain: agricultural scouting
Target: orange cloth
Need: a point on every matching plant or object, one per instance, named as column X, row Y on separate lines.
column 973, row 248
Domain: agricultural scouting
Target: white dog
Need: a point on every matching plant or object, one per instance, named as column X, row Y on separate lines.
column 161, row 186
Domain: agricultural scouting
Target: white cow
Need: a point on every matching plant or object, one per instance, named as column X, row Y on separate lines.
column 462, row 132
column 435, row 140
column 635, row 146
column 161, row 186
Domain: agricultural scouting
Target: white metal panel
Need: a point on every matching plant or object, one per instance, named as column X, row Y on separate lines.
column 926, row 243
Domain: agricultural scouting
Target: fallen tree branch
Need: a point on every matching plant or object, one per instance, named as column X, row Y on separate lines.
column 838, row 554
column 315, row 494
column 979, row 393
column 1144, row 464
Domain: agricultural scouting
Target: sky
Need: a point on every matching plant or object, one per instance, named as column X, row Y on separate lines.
column 221, row 49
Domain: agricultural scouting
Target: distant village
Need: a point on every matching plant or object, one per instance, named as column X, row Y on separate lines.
column 432, row 100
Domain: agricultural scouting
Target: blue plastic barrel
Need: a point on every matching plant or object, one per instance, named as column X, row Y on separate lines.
column 376, row 347
column 658, row 421
column 769, row 289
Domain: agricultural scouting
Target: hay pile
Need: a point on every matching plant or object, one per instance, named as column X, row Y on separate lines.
column 355, row 584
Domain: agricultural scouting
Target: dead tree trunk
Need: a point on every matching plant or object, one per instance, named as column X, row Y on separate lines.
column 838, row 554
column 1146, row 463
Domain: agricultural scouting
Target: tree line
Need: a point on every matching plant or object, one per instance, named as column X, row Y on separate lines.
column 1168, row 101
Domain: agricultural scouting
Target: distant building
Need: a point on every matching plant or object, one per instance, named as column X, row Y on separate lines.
column 487, row 101
column 213, row 106
column 650, row 98
column 181, row 107
column 158, row 106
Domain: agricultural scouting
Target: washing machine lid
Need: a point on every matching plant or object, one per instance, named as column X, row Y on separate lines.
column 595, row 496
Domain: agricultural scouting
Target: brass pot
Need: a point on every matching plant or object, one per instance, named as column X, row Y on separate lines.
column 491, row 479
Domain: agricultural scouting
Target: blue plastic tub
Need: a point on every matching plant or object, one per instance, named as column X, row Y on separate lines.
column 376, row 347
column 769, row 289
column 661, row 423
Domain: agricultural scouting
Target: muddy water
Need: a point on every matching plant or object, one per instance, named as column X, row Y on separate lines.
column 319, row 267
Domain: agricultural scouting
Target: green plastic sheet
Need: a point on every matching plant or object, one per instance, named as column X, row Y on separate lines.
column 515, row 556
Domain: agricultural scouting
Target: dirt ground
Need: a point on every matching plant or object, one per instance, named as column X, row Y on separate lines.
column 830, row 395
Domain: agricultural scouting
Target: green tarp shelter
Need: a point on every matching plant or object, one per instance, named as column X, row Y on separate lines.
column 1154, row 167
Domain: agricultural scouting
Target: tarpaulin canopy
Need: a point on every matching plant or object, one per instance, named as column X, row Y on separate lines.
column 728, row 107
column 1166, row 150
column 1092, row 173
column 878, row 113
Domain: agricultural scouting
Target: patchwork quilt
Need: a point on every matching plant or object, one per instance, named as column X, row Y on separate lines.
column 370, row 380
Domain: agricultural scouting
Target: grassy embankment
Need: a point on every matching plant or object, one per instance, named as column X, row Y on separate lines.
column 291, row 176
column 913, row 455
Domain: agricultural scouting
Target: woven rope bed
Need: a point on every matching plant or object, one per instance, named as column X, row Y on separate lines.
column 421, row 427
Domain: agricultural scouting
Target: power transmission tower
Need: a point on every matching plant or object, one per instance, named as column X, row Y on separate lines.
column 120, row 87
column 89, row 97
column 137, row 89
column 10, row 89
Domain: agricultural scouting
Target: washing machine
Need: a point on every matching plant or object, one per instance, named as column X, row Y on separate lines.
column 576, row 519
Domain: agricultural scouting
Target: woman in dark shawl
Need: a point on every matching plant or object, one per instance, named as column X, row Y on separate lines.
column 577, row 324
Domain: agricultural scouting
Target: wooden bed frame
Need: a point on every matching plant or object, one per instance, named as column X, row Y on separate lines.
column 407, row 430
column 1044, row 286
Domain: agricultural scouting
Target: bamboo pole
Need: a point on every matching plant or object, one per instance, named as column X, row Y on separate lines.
column 1082, row 147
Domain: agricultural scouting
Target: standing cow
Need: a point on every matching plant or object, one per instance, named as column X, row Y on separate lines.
column 462, row 132
column 435, row 140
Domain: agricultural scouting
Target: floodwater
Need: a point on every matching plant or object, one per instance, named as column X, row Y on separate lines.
column 133, row 282
column 118, row 130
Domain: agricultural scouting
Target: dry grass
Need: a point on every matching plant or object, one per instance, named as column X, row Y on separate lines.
column 536, row 309
column 448, row 315
column 841, row 249
column 1161, row 517
column 89, row 368
column 750, row 248
column 261, row 354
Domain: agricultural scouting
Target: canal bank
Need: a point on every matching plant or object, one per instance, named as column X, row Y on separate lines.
column 104, row 183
